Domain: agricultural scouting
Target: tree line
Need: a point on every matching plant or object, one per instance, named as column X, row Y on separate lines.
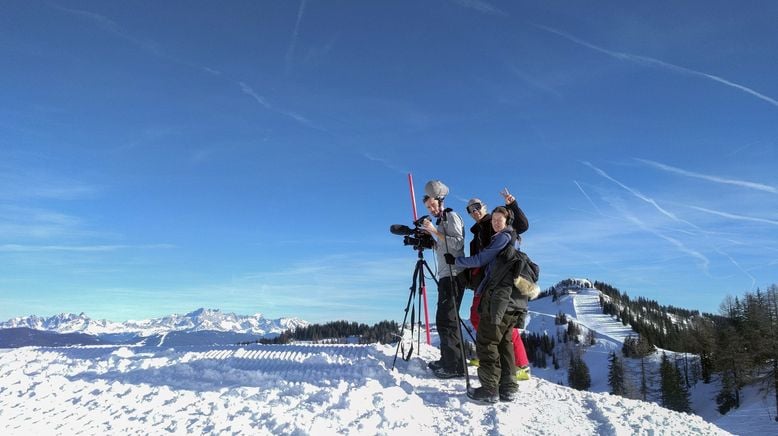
column 384, row 332
column 740, row 344
column 744, row 345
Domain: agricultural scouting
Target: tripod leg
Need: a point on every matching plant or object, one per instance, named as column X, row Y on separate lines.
column 405, row 318
column 421, row 294
column 467, row 329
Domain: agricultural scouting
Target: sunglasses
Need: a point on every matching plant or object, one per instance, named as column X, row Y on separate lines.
column 474, row 207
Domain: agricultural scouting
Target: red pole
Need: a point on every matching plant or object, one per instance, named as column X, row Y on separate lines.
column 413, row 196
column 423, row 288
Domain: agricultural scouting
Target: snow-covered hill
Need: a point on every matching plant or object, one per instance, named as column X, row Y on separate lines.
column 290, row 389
column 198, row 320
column 582, row 306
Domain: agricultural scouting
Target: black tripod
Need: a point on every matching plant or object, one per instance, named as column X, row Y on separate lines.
column 417, row 283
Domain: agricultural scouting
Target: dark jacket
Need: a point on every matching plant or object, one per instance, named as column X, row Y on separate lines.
column 482, row 236
column 496, row 289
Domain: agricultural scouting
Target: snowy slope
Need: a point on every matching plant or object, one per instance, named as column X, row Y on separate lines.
column 754, row 417
column 584, row 309
column 290, row 389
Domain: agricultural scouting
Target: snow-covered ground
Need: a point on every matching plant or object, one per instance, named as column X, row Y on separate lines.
column 290, row 389
column 164, row 385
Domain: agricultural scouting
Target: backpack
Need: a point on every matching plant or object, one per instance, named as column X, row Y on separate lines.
column 525, row 276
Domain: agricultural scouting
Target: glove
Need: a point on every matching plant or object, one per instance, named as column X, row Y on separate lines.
column 449, row 258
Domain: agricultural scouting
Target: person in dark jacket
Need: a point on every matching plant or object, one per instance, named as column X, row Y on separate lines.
column 499, row 310
column 482, row 235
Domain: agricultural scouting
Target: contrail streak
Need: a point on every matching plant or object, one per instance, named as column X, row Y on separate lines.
column 644, row 60
column 636, row 193
column 295, row 33
column 588, row 198
column 742, row 183
column 262, row 101
column 704, row 262
column 735, row 217
column 737, row 265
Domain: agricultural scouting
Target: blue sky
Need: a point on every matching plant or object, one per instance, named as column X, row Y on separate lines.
column 156, row 157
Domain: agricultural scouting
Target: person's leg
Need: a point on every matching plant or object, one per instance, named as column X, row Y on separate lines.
column 446, row 320
column 507, row 358
column 474, row 320
column 487, row 341
column 518, row 349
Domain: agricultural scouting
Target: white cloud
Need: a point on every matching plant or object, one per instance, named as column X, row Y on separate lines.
column 18, row 183
column 75, row 248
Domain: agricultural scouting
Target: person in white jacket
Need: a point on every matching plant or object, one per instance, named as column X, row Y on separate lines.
column 449, row 234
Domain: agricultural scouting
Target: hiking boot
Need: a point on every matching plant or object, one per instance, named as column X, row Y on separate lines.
column 474, row 362
column 508, row 394
column 483, row 395
column 523, row 373
column 443, row 372
column 435, row 364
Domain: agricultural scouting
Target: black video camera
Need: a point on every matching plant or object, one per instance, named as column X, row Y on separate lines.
column 416, row 236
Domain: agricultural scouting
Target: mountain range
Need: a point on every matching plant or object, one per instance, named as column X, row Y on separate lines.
column 199, row 326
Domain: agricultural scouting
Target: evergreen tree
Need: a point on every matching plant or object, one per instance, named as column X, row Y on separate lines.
column 643, row 380
column 771, row 299
column 731, row 357
column 578, row 376
column 675, row 396
column 726, row 399
column 616, row 376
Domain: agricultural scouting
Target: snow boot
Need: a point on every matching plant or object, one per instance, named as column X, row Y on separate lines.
column 443, row 372
column 435, row 364
column 483, row 395
column 523, row 373
column 508, row 394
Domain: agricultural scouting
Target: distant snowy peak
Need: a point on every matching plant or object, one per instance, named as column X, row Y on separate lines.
column 198, row 320
column 65, row 323
column 215, row 320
